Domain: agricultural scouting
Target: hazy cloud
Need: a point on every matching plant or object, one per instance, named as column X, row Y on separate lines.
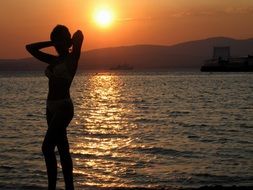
column 134, row 19
column 214, row 12
column 239, row 10
column 196, row 13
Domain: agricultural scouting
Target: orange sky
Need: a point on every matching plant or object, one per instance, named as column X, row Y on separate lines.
column 136, row 21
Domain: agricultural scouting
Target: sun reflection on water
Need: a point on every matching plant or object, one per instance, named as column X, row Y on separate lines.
column 99, row 153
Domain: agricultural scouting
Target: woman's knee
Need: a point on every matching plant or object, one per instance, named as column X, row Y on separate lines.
column 47, row 149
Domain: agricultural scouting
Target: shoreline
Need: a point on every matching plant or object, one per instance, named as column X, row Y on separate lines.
column 214, row 187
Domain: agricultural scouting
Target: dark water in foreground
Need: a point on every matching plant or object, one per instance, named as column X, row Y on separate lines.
column 133, row 130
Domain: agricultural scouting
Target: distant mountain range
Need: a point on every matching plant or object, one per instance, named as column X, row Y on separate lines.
column 183, row 56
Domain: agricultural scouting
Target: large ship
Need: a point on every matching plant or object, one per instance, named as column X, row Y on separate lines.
column 223, row 62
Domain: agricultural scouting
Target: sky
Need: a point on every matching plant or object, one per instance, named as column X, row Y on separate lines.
column 163, row 22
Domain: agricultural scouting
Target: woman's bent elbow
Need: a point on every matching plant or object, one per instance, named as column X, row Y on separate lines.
column 28, row 47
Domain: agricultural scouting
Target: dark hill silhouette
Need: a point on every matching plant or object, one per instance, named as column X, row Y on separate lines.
column 26, row 64
column 188, row 55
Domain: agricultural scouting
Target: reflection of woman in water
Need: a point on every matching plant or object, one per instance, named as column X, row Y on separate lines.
column 60, row 72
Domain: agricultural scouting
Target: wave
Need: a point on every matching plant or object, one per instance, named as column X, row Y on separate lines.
column 167, row 152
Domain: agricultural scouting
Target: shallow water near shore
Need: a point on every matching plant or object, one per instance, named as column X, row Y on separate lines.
column 133, row 129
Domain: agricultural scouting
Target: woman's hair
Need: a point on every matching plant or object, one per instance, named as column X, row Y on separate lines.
column 61, row 34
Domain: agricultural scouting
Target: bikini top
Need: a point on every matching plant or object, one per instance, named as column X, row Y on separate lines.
column 58, row 71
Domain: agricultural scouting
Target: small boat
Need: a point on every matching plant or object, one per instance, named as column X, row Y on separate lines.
column 122, row 67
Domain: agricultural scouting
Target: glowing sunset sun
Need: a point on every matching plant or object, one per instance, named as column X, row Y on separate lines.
column 103, row 18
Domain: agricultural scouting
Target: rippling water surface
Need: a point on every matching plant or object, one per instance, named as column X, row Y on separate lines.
column 133, row 130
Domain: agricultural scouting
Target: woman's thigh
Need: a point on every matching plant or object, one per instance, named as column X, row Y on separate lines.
column 60, row 117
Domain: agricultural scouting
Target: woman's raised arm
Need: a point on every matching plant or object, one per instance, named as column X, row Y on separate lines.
column 77, row 41
column 34, row 50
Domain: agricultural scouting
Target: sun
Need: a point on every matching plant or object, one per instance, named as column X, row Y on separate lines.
column 103, row 17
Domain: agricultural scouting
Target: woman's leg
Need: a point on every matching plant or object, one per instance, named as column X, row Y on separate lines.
column 61, row 122
column 66, row 161
column 48, row 148
column 63, row 146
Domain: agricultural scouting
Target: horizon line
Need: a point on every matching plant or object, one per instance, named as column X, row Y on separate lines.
column 146, row 44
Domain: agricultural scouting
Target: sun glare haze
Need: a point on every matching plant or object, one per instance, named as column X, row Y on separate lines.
column 103, row 17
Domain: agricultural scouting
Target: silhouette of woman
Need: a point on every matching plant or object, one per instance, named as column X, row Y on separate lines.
column 60, row 72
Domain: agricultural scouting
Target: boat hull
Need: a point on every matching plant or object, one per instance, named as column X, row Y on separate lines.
column 221, row 68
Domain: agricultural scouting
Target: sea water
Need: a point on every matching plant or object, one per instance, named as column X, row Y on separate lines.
column 133, row 129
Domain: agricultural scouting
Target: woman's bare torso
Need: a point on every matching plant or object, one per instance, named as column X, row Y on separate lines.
column 60, row 79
